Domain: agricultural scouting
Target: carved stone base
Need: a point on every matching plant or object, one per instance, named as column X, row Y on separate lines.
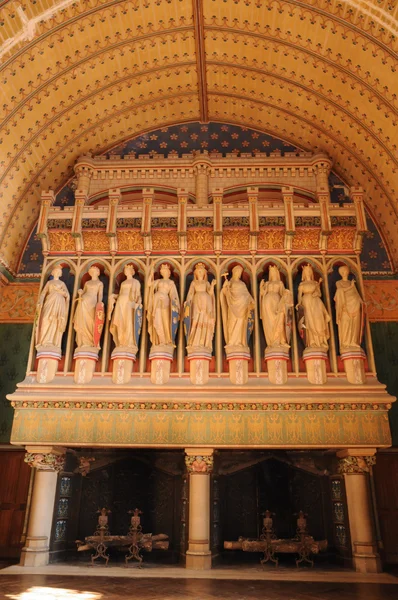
column 161, row 358
column 238, row 358
column 123, row 360
column 35, row 553
column 198, row 561
column 85, row 357
column 48, row 361
column 276, row 359
column 354, row 365
column 199, row 361
column 315, row 364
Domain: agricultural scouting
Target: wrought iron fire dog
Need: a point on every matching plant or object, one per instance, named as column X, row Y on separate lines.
column 135, row 540
column 302, row 544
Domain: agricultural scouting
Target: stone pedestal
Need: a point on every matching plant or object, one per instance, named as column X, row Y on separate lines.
column 86, row 358
column 199, row 361
column 354, row 364
column 315, row 364
column 238, row 358
column 355, row 465
column 276, row 359
column 161, row 358
column 35, row 553
column 123, row 360
column 48, row 361
column 199, row 462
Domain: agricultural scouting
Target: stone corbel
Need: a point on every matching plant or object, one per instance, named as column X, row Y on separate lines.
column 146, row 225
column 182, row 195
column 252, row 194
column 217, row 218
column 356, row 195
column 45, row 458
column 290, row 226
column 114, row 199
column 47, row 200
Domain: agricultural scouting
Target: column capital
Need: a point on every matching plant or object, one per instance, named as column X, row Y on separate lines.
column 44, row 458
column 356, row 461
column 199, row 460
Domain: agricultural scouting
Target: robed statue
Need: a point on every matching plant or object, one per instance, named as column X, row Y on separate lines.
column 237, row 307
column 89, row 315
column 349, row 311
column 163, row 308
column 200, row 310
column 52, row 311
column 127, row 314
column 276, row 304
column 313, row 324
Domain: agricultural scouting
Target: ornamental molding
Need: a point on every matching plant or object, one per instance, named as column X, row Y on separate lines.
column 355, row 464
column 369, row 407
column 45, row 462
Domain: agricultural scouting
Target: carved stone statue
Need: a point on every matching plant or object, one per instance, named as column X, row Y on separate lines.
column 237, row 306
column 88, row 320
column 163, row 308
column 200, row 310
column 127, row 316
column 276, row 303
column 52, row 311
column 313, row 316
column 349, row 311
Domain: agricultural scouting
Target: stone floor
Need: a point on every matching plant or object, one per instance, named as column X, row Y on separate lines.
column 58, row 587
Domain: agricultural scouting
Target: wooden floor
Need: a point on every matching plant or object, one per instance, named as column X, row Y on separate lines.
column 52, row 587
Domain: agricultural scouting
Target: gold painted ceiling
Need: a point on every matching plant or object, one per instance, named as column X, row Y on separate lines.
column 80, row 76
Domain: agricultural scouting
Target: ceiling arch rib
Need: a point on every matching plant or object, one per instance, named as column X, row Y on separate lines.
column 316, row 73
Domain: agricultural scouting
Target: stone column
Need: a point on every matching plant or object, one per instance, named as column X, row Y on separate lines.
column 47, row 462
column 199, row 462
column 355, row 465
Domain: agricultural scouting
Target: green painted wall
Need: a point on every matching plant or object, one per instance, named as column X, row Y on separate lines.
column 385, row 345
column 14, row 351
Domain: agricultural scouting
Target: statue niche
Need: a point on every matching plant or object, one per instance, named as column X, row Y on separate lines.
column 199, row 323
column 163, row 315
column 88, row 323
column 125, row 325
column 276, row 304
column 52, row 311
column 127, row 312
column 89, row 315
column 350, row 314
column 51, row 319
column 313, row 326
column 237, row 308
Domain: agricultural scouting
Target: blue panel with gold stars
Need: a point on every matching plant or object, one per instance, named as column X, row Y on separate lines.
column 213, row 137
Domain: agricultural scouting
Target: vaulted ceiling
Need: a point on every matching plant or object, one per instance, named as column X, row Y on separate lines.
column 80, row 76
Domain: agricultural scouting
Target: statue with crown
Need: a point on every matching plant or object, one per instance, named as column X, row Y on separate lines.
column 199, row 323
column 163, row 315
